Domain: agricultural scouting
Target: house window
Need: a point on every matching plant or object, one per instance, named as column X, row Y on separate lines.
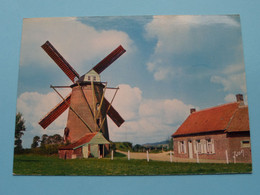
column 94, row 78
column 181, row 147
column 203, row 146
column 210, row 146
column 245, row 144
column 88, row 78
column 198, row 147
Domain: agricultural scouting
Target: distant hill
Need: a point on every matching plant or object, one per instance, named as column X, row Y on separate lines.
column 165, row 142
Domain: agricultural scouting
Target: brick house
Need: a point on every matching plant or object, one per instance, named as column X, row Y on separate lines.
column 90, row 145
column 219, row 133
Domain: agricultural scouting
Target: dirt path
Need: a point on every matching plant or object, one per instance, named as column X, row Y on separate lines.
column 165, row 156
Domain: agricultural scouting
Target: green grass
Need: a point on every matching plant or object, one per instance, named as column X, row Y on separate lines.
column 52, row 165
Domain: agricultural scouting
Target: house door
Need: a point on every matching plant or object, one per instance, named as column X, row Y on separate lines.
column 190, row 149
column 101, row 150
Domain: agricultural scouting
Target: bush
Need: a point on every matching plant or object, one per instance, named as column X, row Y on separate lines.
column 124, row 146
column 46, row 149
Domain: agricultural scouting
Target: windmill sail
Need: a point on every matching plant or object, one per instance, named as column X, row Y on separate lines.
column 113, row 114
column 77, row 130
column 60, row 61
column 55, row 112
column 102, row 65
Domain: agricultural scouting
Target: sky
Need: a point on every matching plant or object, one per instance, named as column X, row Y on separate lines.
column 171, row 64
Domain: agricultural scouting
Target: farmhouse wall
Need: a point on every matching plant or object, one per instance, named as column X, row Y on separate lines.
column 65, row 154
column 238, row 151
column 78, row 152
column 222, row 143
column 70, row 154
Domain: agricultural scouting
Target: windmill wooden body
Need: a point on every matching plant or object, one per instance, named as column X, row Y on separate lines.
column 88, row 108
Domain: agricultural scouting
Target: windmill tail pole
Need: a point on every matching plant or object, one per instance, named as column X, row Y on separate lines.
column 93, row 100
column 72, row 108
column 101, row 102
column 113, row 99
column 108, row 109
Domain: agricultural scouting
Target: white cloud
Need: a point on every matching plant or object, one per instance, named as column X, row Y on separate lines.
column 232, row 78
column 126, row 101
column 147, row 120
column 34, row 106
column 170, row 111
column 206, row 20
column 230, row 98
column 234, row 68
column 163, row 73
column 79, row 44
column 183, row 35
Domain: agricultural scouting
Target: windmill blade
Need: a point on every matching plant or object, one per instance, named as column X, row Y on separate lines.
column 113, row 114
column 102, row 65
column 60, row 61
column 55, row 112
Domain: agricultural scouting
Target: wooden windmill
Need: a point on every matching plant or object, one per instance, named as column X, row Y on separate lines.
column 87, row 105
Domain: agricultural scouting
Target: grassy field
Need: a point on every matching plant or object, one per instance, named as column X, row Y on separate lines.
column 52, row 165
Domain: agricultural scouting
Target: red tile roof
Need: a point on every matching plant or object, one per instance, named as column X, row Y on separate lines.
column 227, row 117
column 87, row 138
column 240, row 120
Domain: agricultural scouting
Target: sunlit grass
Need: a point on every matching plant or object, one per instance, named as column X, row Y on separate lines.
column 52, row 165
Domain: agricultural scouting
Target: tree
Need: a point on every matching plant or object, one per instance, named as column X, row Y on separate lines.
column 36, row 139
column 44, row 140
column 57, row 139
column 138, row 148
column 19, row 128
column 51, row 139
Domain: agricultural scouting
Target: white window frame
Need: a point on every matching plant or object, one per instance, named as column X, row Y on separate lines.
column 182, row 147
column 245, row 145
column 210, row 146
column 198, row 148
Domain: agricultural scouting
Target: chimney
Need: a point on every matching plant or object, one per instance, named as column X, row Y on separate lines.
column 192, row 110
column 240, row 99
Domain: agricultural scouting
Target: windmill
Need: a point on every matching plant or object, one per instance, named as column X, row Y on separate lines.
column 88, row 108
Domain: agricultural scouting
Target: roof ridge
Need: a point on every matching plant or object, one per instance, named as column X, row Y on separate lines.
column 77, row 143
column 84, row 137
column 218, row 106
column 219, row 117
column 231, row 118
